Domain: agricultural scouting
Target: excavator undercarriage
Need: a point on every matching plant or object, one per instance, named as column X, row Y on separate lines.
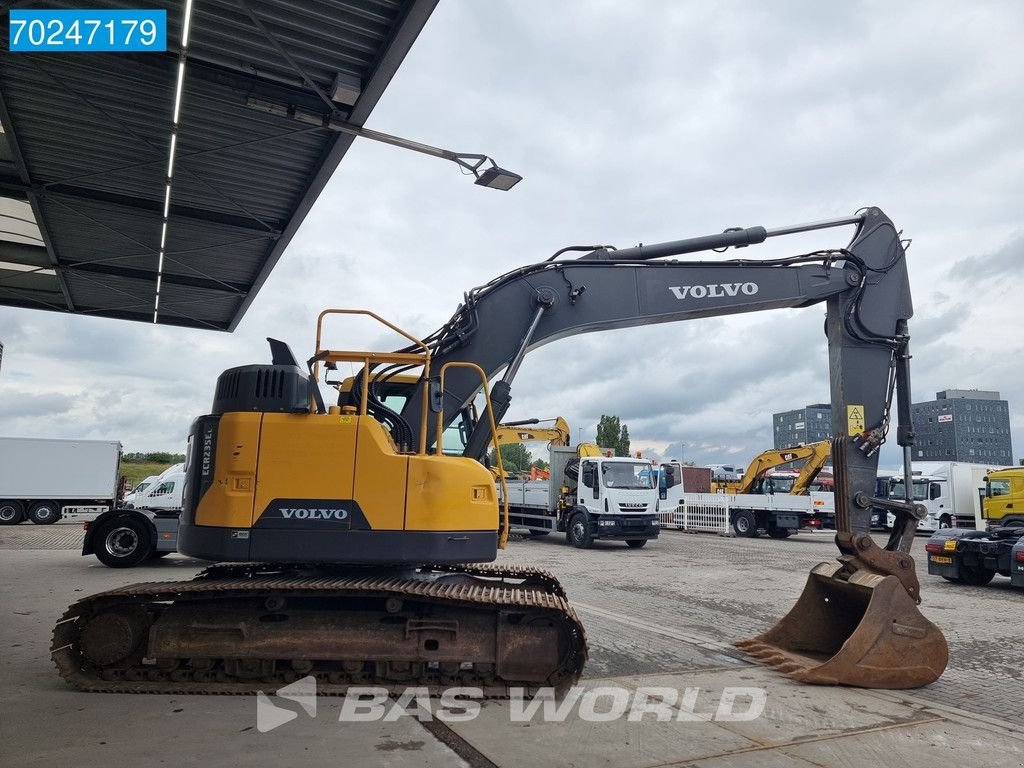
column 240, row 628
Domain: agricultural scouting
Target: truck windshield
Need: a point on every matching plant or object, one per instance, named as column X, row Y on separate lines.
column 630, row 476
column 998, row 488
column 896, row 490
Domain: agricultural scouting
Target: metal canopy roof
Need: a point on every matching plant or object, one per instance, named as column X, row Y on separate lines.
column 86, row 140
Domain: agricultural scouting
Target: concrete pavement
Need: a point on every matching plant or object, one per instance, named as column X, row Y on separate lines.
column 662, row 617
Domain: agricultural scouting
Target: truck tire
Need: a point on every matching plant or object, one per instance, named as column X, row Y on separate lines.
column 536, row 533
column 745, row 524
column 780, row 533
column 122, row 543
column 11, row 512
column 945, row 522
column 635, row 543
column 44, row 512
column 157, row 554
column 976, row 577
column 577, row 532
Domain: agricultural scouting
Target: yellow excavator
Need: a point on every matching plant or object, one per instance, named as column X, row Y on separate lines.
column 526, row 431
column 815, row 456
column 353, row 546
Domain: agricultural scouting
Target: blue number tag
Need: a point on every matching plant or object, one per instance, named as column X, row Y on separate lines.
column 88, row 31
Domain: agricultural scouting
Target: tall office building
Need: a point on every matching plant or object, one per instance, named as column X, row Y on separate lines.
column 804, row 425
column 963, row 425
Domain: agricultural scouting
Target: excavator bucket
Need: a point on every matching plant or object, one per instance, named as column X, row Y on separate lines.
column 865, row 631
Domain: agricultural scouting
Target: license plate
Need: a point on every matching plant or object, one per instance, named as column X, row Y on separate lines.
column 942, row 559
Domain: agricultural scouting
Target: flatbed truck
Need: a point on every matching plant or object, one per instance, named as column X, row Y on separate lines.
column 589, row 497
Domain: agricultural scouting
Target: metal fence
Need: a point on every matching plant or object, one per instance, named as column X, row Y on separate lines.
column 707, row 512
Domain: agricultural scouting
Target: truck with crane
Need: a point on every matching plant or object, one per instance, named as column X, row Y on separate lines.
column 587, row 495
column 295, row 498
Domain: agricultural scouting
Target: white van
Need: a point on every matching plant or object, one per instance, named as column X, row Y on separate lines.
column 164, row 493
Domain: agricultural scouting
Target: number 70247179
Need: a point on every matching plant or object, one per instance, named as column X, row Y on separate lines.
column 87, row 31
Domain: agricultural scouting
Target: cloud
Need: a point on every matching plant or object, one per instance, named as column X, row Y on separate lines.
column 630, row 123
column 998, row 265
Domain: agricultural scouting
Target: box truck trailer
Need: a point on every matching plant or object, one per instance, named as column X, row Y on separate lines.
column 44, row 479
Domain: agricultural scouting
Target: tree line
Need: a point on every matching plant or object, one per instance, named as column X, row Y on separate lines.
column 157, row 457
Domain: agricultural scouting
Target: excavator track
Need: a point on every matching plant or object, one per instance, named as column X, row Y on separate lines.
column 242, row 628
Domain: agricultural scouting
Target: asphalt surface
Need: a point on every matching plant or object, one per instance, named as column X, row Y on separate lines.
column 669, row 611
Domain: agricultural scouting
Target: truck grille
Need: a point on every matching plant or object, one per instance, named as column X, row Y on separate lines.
column 633, row 507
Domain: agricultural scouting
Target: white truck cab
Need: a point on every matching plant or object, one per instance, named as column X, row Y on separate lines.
column 951, row 491
column 589, row 497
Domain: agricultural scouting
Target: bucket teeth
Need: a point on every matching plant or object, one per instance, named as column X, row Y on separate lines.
column 745, row 644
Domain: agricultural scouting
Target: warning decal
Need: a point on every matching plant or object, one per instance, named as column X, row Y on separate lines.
column 854, row 419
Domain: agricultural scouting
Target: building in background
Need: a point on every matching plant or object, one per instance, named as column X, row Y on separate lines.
column 963, row 425
column 804, row 425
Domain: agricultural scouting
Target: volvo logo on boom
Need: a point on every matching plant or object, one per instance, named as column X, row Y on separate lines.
column 713, row 290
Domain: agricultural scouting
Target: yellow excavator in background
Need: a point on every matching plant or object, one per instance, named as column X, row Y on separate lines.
column 815, row 456
column 354, row 547
column 525, row 432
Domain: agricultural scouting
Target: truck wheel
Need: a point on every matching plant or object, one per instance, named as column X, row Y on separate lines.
column 744, row 524
column 945, row 522
column 536, row 533
column 122, row 543
column 577, row 533
column 635, row 543
column 976, row 577
column 44, row 512
column 11, row 512
column 780, row 533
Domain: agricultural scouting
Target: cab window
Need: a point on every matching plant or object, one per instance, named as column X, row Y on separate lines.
column 998, row 488
column 164, row 488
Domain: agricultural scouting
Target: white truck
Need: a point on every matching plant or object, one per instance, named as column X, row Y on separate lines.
column 143, row 529
column 780, row 515
column 951, row 491
column 44, row 479
column 589, row 497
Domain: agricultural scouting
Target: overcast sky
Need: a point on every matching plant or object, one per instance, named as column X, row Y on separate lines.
column 642, row 121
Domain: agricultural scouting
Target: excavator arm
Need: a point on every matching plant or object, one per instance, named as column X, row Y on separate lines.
column 864, row 287
column 814, row 455
column 839, row 631
column 526, row 432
